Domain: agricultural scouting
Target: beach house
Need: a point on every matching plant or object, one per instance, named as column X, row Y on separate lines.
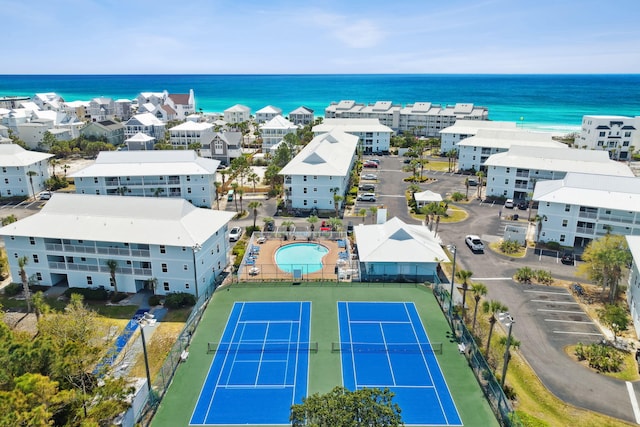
column 319, row 171
column 180, row 173
column 301, row 116
column 164, row 245
column 108, row 130
column 145, row 123
column 237, row 114
column 617, row 135
column 274, row 130
column 267, row 113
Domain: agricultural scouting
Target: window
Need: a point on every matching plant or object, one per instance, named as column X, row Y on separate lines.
column 163, row 249
column 304, row 202
column 35, row 259
column 189, row 190
column 32, row 240
column 6, row 180
column 315, row 177
column 565, row 222
column 567, row 208
column 111, row 282
column 165, row 285
column 304, row 190
column 164, row 268
column 562, row 237
column 218, row 248
column 315, row 189
column 602, row 134
column 95, row 180
column 38, row 276
column 184, row 249
column 185, row 267
column 506, row 181
column 508, row 170
column 89, row 280
column 186, row 286
column 304, row 178
column 188, row 178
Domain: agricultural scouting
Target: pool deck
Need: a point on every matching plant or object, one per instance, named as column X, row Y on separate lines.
column 266, row 268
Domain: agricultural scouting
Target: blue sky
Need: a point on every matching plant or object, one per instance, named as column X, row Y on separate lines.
column 303, row 37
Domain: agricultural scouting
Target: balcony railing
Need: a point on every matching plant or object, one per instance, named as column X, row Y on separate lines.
column 100, row 250
column 590, row 215
column 585, row 230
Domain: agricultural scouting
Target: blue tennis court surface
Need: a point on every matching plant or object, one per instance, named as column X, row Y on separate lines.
column 385, row 345
column 260, row 367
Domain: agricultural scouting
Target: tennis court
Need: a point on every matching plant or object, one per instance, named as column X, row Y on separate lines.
column 260, row 367
column 384, row 345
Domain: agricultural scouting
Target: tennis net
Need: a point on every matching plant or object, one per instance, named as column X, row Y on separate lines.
column 367, row 347
column 262, row 347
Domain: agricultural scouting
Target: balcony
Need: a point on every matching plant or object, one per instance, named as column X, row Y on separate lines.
column 585, row 230
column 590, row 215
column 73, row 267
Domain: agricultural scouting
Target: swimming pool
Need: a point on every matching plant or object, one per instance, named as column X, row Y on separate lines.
column 306, row 257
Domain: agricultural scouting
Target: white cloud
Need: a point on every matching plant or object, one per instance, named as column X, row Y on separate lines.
column 353, row 33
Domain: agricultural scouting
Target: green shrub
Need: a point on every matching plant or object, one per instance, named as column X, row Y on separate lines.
column 154, row 300
column 96, row 294
column 600, row 357
column 251, row 229
column 543, row 277
column 457, row 196
column 118, row 297
column 179, row 300
column 553, row 245
column 12, row 289
column 509, row 246
column 524, row 275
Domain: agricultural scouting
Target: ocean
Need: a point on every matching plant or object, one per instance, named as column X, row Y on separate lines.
column 553, row 103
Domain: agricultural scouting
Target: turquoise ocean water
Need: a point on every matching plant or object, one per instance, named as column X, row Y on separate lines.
column 545, row 102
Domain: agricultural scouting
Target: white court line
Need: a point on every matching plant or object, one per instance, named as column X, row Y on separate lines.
column 577, row 333
column 563, row 311
column 634, row 401
column 492, row 278
column 555, row 302
column 568, row 321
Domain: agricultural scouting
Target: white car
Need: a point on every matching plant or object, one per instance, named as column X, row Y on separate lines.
column 474, row 243
column 234, row 234
column 367, row 197
column 45, row 195
column 370, row 176
column 508, row 204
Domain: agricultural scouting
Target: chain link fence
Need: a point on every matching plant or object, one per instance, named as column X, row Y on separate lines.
column 499, row 403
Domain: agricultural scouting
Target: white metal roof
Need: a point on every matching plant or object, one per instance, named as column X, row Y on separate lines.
column 140, row 137
column 189, row 125
column 238, row 108
column 302, row 110
column 396, row 241
column 328, row 154
column 146, row 119
column 279, row 122
column 150, row 220
column 505, row 138
column 427, row 196
column 559, row 159
column 471, row 127
column 269, row 109
column 351, row 125
column 14, row 155
column 149, row 163
column 598, row 191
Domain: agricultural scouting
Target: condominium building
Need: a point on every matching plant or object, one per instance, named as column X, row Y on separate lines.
column 474, row 151
column 581, row 207
column 180, row 173
column 374, row 137
column 320, row 170
column 421, row 118
column 274, row 131
column 191, row 134
column 22, row 172
column 167, row 245
column 461, row 129
column 613, row 134
column 514, row 173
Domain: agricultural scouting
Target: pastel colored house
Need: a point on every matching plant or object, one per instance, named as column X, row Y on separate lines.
column 396, row 251
column 302, row 116
column 274, row 131
column 110, row 131
column 236, row 114
column 145, row 123
column 267, row 113
column 166, row 244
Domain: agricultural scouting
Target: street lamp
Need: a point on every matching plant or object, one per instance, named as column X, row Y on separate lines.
column 509, row 319
column 142, row 325
column 453, row 277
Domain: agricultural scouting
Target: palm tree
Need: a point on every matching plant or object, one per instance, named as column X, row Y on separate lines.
column 22, row 261
column 539, row 220
column 335, row 224
column 122, row 190
column 217, row 186
column 287, row 224
column 53, row 162
column 113, row 267
column 480, row 176
column 152, row 282
column 312, row 220
column 253, row 178
column 223, row 173
column 337, row 198
column 363, row 214
column 374, row 212
column 464, row 276
column 234, row 185
column 158, row 191
column 254, row 206
column 478, row 290
column 40, row 306
column 31, row 174
column 492, row 307
column 65, row 168
column 466, row 184
column 240, row 192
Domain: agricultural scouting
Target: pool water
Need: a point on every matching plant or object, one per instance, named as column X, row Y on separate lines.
column 306, row 257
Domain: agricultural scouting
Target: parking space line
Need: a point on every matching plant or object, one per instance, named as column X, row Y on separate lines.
column 549, row 292
column 568, row 321
column 563, row 311
column 492, row 278
column 555, row 302
column 577, row 333
column 634, row 401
